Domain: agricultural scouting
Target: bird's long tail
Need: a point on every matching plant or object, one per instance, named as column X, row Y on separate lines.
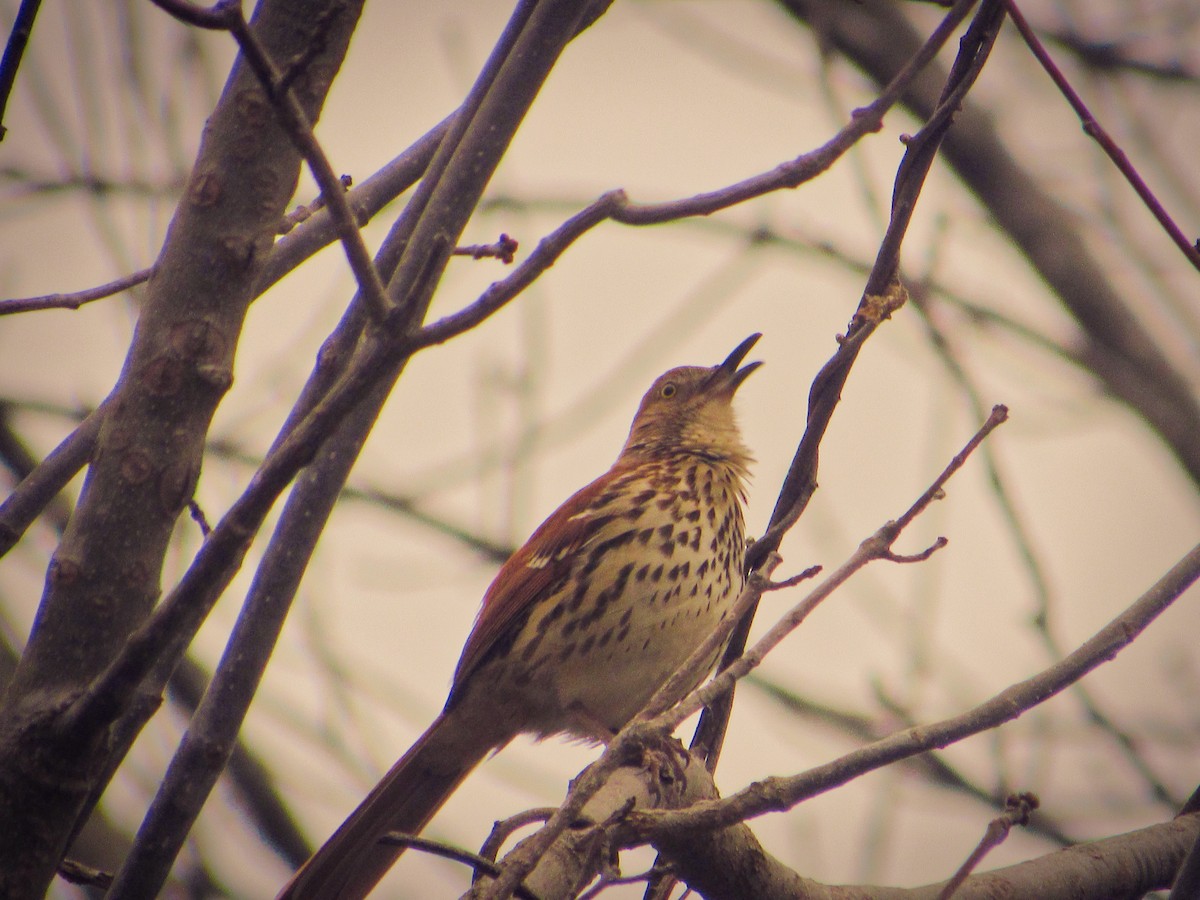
column 353, row 860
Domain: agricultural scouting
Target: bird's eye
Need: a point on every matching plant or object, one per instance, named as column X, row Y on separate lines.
column 668, row 390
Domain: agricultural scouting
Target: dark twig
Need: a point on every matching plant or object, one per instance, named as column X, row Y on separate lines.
column 28, row 182
column 1096, row 131
column 1017, row 810
column 304, row 213
column 77, row 873
column 503, row 829
column 76, row 299
column 38, row 489
column 197, row 514
column 882, row 295
column 504, row 249
column 478, row 862
column 14, row 50
column 227, row 15
column 877, row 37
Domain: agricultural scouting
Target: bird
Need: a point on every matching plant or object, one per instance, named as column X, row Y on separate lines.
column 579, row 628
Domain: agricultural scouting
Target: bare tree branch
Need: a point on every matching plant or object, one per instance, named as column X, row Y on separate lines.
column 64, row 731
column 1017, row 811
column 477, row 140
column 776, row 794
column 1095, row 130
column 76, row 299
column 104, row 577
column 729, row 863
column 801, row 480
column 250, row 777
column 878, row 38
column 14, row 49
column 932, row 766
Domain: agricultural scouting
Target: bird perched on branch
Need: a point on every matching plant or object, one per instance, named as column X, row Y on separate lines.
column 581, row 626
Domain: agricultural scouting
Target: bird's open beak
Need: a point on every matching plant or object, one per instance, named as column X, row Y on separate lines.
column 727, row 374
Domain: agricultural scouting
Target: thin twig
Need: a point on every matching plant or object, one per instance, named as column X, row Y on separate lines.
column 877, row 37
column 503, row 249
column 447, row 851
column 300, row 243
column 877, row 546
column 615, row 205
column 38, row 489
column 198, row 516
column 882, row 294
column 75, row 872
column 76, row 299
column 227, row 15
column 865, row 729
column 1096, row 131
column 304, row 213
column 1033, row 565
column 27, row 182
column 14, row 50
column 503, row 829
column 1017, row 810
column 779, row 794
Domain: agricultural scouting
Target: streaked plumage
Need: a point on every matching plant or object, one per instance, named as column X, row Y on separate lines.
column 605, row 600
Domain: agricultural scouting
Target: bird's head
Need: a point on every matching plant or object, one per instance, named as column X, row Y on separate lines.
column 690, row 410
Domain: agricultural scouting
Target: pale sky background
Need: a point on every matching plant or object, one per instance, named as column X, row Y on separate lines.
column 664, row 100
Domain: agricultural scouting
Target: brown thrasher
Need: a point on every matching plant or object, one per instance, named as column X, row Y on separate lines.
column 585, row 622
